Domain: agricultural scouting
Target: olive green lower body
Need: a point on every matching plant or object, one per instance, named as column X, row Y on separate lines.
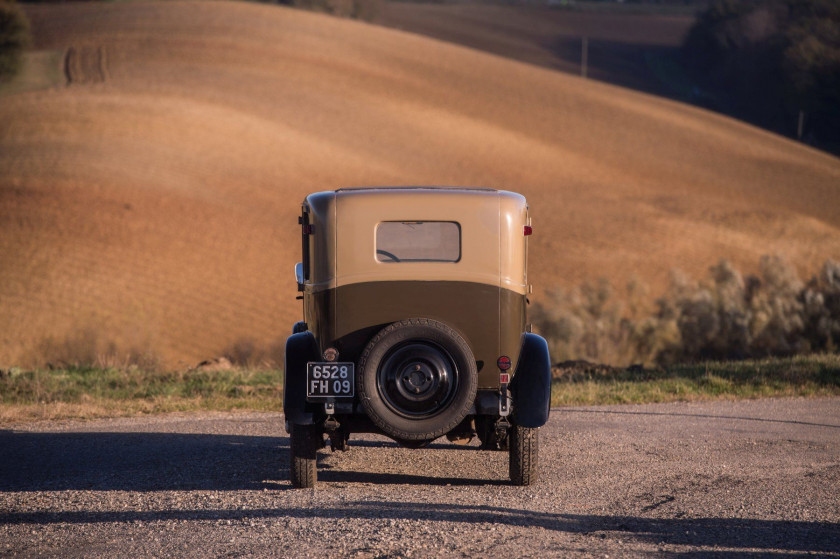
column 490, row 318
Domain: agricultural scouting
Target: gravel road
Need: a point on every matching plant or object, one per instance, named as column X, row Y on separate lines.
column 707, row 479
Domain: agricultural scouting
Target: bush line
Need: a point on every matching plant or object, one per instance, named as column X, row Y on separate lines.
column 725, row 317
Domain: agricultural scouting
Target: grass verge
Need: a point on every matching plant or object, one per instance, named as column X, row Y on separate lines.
column 40, row 70
column 86, row 392
column 808, row 376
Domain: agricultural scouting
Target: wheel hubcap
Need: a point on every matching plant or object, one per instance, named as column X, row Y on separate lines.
column 417, row 379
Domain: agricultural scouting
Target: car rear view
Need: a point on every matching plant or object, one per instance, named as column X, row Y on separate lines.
column 414, row 324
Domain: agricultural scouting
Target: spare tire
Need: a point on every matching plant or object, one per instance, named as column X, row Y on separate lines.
column 417, row 379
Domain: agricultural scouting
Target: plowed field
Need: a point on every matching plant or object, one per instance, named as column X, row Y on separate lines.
column 150, row 204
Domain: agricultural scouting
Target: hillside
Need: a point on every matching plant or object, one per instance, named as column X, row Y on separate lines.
column 150, row 204
column 636, row 50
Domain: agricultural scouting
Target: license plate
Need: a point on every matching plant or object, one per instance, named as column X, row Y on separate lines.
column 330, row 380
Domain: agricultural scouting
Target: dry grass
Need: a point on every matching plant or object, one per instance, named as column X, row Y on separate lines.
column 154, row 199
column 40, row 70
column 88, row 392
column 802, row 376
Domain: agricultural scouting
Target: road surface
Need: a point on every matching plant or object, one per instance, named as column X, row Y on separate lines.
column 707, row 479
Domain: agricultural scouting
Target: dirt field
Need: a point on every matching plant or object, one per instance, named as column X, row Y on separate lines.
column 722, row 479
column 150, row 204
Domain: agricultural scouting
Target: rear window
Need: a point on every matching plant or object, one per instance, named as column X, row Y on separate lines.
column 418, row 241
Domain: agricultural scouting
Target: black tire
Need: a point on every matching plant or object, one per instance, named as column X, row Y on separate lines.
column 417, row 379
column 524, row 448
column 303, row 450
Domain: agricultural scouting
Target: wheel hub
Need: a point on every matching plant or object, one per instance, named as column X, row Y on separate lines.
column 417, row 377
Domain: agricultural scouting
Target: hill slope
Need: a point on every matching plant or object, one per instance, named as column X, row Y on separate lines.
column 151, row 204
column 633, row 50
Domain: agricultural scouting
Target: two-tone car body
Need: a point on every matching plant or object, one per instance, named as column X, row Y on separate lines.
column 414, row 324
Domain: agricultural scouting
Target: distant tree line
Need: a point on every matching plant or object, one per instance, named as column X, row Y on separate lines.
column 703, row 3
column 726, row 316
column 14, row 38
column 770, row 61
column 366, row 10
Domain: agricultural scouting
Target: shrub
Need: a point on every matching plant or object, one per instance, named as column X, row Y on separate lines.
column 723, row 317
column 86, row 348
column 14, row 38
column 244, row 352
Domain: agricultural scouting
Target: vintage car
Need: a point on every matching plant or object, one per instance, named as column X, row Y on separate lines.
column 414, row 325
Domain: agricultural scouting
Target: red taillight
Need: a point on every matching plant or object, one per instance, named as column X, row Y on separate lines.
column 528, row 230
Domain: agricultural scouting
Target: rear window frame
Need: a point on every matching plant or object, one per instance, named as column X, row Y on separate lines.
column 390, row 257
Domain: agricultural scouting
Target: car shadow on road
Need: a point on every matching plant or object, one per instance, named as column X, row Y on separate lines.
column 140, row 461
column 439, row 444
column 174, row 461
column 727, row 537
column 381, row 478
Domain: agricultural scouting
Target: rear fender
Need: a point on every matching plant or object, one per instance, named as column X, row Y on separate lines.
column 300, row 348
column 531, row 384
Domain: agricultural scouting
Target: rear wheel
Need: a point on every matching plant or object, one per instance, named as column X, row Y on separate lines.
column 524, row 447
column 305, row 440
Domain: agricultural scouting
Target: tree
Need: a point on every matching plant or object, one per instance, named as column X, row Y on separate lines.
column 766, row 60
column 811, row 65
column 14, row 38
